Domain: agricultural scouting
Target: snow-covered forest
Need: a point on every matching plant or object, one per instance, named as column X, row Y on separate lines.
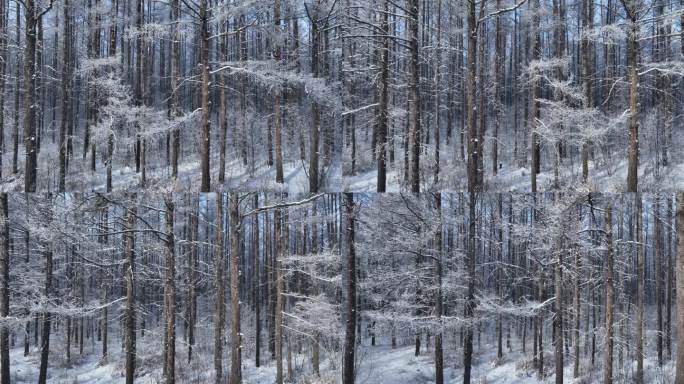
column 341, row 191
column 341, row 288
column 341, row 95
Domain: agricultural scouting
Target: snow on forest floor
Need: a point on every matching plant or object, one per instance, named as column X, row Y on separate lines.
column 238, row 176
column 379, row 364
column 605, row 175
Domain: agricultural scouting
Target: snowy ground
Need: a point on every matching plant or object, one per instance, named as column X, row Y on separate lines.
column 378, row 364
column 238, row 176
column 607, row 170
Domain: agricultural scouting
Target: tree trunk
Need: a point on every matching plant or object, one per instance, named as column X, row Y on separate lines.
column 439, row 358
column 4, row 286
column 498, row 80
column 608, row 284
column 472, row 125
column 191, row 310
column 278, row 228
column 175, row 85
column 558, row 312
column 170, row 293
column 235, row 332
column 31, row 166
column 413, row 96
column 314, row 147
column 438, row 64
column 577, row 311
column 632, row 57
column 679, row 375
column 205, row 120
column 277, row 124
column 534, row 95
column 383, row 102
column 658, row 244
column 641, row 281
column 47, row 319
column 587, row 63
column 129, row 276
column 223, row 110
column 350, row 315
column 257, row 286
column 220, row 291
column 17, row 79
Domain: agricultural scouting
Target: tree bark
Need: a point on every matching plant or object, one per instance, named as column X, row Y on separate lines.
column 47, row 319
column 205, row 119
column 220, row 291
column 4, row 288
column 129, row 276
column 641, row 281
column 235, row 332
column 277, row 124
column 170, row 293
column 534, row 95
column 31, row 165
column 658, row 244
column 175, row 85
column 278, row 228
column 413, row 96
column 383, row 102
column 608, row 284
column 679, row 375
column 587, row 63
column 558, row 312
column 632, row 58
column 439, row 358
column 350, row 315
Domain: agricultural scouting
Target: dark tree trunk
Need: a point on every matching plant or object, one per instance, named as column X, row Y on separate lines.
column 350, row 311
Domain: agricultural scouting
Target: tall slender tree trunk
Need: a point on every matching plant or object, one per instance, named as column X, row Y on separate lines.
column 350, row 311
column 632, row 58
column 223, row 109
column 3, row 72
column 534, row 95
column 439, row 358
column 4, row 286
column 473, row 155
column 413, row 96
column 383, row 102
column 235, row 332
column 278, row 228
column 641, row 281
column 257, row 286
column 47, row 319
column 587, row 63
column 129, row 276
column 438, row 64
column 558, row 312
column 170, row 293
column 277, row 123
column 220, row 291
column 206, row 112
column 608, row 284
column 498, row 80
column 175, row 85
column 577, row 311
column 17, row 80
column 191, row 310
column 658, row 244
column 679, row 374
column 31, row 165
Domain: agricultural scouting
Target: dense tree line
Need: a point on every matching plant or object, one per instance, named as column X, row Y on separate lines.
column 210, row 287
column 316, row 95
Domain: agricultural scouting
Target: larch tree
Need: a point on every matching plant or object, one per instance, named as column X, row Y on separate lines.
column 348, row 376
